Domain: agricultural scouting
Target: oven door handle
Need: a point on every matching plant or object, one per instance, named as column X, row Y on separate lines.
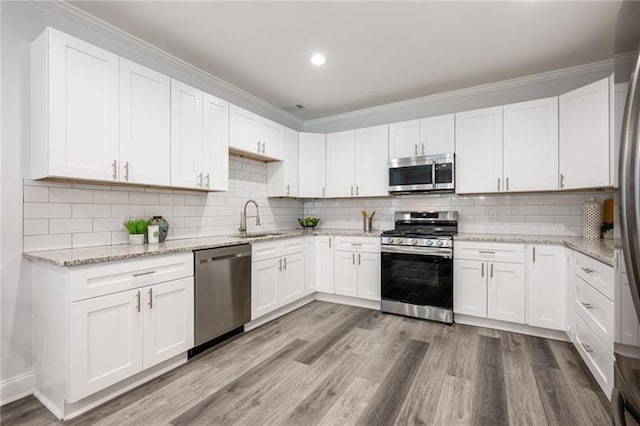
column 423, row 251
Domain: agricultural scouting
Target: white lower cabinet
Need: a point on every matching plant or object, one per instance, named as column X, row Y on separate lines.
column 546, row 273
column 469, row 288
column 346, row 270
column 133, row 319
column 506, row 292
column 319, row 258
column 278, row 280
column 357, row 272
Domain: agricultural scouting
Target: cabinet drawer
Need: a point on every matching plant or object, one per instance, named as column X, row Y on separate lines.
column 292, row 245
column 273, row 249
column 595, row 355
column 596, row 311
column 596, row 274
column 491, row 252
column 97, row 280
column 358, row 244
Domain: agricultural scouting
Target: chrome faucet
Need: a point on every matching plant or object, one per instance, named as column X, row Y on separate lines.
column 243, row 219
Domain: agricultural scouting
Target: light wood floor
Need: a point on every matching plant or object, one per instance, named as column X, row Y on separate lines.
column 334, row 365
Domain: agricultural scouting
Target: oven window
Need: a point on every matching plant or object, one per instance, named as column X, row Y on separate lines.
column 444, row 173
column 411, row 175
column 417, row 279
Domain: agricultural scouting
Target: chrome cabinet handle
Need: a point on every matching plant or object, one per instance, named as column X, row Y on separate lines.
column 416, row 150
column 587, row 305
column 561, row 180
column 422, row 149
column 359, row 259
column 151, row 298
column 138, row 301
column 207, row 179
column 288, row 192
column 356, row 244
column 139, row 274
column 588, row 349
column 534, row 255
column 263, row 150
column 482, row 270
column 498, row 184
column 492, row 270
column 329, row 242
column 284, row 264
column 199, row 180
column 352, row 190
column 357, row 190
column 279, row 264
column 126, row 171
column 353, row 258
column 258, row 146
column 323, row 191
column 114, row 173
column 507, row 183
column 486, row 252
column 587, row 270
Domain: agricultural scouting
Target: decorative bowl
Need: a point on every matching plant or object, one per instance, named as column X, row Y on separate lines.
column 308, row 222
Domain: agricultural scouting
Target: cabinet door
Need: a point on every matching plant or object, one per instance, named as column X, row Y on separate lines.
column 215, row 142
column 244, row 130
column 531, row 145
column 272, row 139
column 282, row 176
column 105, row 342
column 341, row 160
column 620, row 98
column 312, row 159
column 546, row 289
column 82, row 108
column 346, row 273
column 292, row 278
column 372, row 169
column 470, row 288
column 437, row 135
column 369, row 276
column 629, row 331
column 584, row 136
column 479, row 151
column 168, row 320
column 506, row 292
column 326, row 276
column 404, row 139
column 186, row 136
column 311, row 261
column 145, row 138
column 264, row 286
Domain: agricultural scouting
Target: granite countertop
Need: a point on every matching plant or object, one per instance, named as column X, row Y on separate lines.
column 99, row 254
column 600, row 249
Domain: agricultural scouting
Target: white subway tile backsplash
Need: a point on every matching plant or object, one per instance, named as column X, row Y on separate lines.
column 110, row 197
column 36, row 194
column 92, row 239
column 90, row 210
column 555, row 210
column 70, row 226
column 46, row 210
column 126, row 211
column 143, row 198
column 36, row 226
column 47, row 242
column 107, row 224
column 70, row 195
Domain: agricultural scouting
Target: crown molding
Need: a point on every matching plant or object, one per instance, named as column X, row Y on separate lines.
column 460, row 93
column 94, row 23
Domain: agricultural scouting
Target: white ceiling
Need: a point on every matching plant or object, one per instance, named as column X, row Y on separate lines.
column 378, row 52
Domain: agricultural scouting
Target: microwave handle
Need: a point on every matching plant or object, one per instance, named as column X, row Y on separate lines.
column 433, row 174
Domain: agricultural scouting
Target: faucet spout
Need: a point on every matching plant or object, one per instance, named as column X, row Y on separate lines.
column 243, row 218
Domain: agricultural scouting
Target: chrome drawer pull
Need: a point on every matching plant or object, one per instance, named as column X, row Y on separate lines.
column 150, row 298
column 139, row 274
column 587, row 305
column 486, row 252
column 138, row 301
column 587, row 270
column 587, row 348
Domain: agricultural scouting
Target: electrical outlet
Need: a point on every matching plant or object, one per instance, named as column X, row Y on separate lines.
column 493, row 215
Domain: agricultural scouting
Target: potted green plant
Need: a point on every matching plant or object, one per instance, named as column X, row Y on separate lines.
column 137, row 228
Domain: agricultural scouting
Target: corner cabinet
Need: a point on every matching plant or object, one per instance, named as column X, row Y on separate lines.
column 282, row 176
column 311, row 164
column 546, row 296
column 585, row 136
column 255, row 136
column 199, row 139
column 100, row 329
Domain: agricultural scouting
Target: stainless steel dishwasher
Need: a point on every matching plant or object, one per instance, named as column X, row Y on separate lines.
column 222, row 291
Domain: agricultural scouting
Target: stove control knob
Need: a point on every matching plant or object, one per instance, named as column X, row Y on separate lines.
column 428, row 243
column 391, row 241
column 439, row 243
column 414, row 242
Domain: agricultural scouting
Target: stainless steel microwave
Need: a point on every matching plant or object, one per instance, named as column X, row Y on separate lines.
column 422, row 174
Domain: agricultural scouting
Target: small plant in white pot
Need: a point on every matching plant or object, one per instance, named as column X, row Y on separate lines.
column 137, row 229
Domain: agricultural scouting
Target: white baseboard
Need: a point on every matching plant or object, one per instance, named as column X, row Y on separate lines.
column 279, row 312
column 512, row 327
column 15, row 388
column 346, row 300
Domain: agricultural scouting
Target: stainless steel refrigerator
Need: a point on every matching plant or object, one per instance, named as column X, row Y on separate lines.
column 625, row 398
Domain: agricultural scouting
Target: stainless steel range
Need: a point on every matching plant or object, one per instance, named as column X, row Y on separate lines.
column 417, row 265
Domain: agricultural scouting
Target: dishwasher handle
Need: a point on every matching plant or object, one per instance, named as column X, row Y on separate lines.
column 222, row 253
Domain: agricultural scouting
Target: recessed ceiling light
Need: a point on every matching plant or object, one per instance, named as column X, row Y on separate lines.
column 318, row 59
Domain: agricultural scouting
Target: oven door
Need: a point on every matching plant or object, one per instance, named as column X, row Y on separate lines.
column 417, row 276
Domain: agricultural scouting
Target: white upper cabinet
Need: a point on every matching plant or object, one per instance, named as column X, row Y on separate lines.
column 186, row 136
column 253, row 135
column 215, row 143
column 74, row 115
column 312, row 159
column 546, row 271
column 145, row 143
column 341, row 160
column 428, row 136
column 372, row 170
column 531, row 146
column 282, row 176
column 620, row 93
column 404, row 139
column 585, row 137
column 479, row 151
column 437, row 135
